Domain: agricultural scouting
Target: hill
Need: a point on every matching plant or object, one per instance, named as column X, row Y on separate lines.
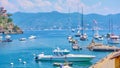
column 57, row 20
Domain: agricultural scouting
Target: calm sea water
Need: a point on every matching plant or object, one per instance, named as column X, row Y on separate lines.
column 46, row 41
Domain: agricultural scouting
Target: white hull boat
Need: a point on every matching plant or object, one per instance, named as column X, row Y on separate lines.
column 22, row 39
column 63, row 56
column 114, row 40
column 32, row 37
column 69, row 57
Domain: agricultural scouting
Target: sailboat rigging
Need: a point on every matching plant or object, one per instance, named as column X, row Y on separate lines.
column 83, row 36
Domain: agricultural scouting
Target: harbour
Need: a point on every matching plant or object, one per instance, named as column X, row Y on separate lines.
column 59, row 34
column 26, row 50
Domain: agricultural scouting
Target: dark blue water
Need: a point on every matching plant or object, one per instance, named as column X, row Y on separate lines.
column 46, row 41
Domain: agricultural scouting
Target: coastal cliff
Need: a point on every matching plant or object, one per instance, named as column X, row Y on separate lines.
column 6, row 23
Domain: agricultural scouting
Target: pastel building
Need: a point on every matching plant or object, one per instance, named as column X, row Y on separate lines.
column 110, row 61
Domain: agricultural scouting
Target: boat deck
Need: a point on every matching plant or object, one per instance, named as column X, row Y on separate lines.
column 101, row 47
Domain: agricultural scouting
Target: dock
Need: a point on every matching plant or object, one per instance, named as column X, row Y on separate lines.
column 93, row 46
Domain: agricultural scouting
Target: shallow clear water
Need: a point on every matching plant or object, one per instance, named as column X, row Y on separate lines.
column 46, row 41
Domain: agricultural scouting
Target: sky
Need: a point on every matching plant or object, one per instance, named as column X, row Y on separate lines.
column 103, row 7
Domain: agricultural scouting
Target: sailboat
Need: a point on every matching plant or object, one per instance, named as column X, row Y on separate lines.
column 78, row 34
column 83, row 36
column 112, row 38
column 97, row 36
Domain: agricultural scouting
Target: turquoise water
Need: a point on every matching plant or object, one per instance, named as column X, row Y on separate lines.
column 46, row 41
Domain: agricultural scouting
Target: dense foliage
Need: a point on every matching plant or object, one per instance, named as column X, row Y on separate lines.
column 6, row 22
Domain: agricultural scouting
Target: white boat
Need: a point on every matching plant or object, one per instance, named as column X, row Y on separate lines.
column 22, row 39
column 62, row 64
column 59, row 56
column 75, row 46
column 32, row 37
column 1, row 38
column 7, row 36
column 57, row 51
column 98, row 37
column 114, row 39
column 83, row 37
column 78, row 34
column 7, row 39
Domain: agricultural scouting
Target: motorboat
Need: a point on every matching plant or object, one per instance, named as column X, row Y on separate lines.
column 71, row 40
column 114, row 39
column 1, row 38
column 32, row 37
column 63, row 64
column 22, row 39
column 7, row 39
column 75, row 46
column 62, row 56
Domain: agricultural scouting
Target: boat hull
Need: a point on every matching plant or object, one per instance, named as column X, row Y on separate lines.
column 105, row 49
column 65, row 58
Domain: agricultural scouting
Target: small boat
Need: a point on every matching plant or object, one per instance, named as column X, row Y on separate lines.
column 100, row 47
column 63, row 64
column 71, row 40
column 22, row 39
column 98, row 37
column 61, row 56
column 75, row 46
column 114, row 39
column 7, row 39
column 1, row 38
column 83, row 37
column 32, row 37
column 78, row 34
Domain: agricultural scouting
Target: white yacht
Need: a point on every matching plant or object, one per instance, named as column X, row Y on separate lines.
column 63, row 55
column 114, row 39
column 32, row 37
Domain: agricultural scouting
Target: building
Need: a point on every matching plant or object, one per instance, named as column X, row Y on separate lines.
column 110, row 61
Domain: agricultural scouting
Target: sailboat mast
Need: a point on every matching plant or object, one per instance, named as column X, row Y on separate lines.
column 109, row 26
column 69, row 21
column 82, row 22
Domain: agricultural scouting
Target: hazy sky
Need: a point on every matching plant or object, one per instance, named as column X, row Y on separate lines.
column 90, row 6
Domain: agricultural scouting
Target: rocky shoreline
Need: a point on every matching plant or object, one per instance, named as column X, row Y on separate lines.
column 6, row 23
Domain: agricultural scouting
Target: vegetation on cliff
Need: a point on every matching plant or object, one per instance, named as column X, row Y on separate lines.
column 6, row 23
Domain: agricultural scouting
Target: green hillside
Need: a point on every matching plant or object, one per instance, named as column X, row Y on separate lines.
column 6, row 23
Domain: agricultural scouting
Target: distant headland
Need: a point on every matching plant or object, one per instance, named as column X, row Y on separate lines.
column 6, row 23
